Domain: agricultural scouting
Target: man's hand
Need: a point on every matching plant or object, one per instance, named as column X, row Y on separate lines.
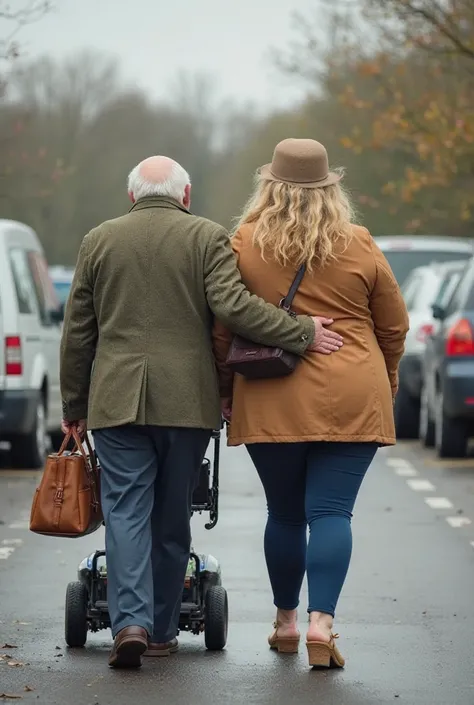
column 226, row 408
column 325, row 341
column 80, row 426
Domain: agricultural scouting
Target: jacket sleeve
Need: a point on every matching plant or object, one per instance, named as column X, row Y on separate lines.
column 79, row 339
column 244, row 313
column 222, row 338
column 389, row 315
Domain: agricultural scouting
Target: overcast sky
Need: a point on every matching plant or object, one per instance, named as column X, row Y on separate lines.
column 155, row 38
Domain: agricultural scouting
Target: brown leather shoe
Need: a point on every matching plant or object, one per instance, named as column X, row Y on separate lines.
column 169, row 647
column 129, row 646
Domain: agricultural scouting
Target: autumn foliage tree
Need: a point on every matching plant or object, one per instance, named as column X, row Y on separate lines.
column 402, row 73
column 423, row 80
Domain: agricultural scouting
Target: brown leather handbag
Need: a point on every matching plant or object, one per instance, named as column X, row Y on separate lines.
column 67, row 501
column 255, row 361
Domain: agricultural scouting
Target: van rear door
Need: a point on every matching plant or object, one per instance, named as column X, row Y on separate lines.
column 24, row 343
column 2, row 349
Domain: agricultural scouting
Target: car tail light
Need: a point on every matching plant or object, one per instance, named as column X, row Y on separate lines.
column 424, row 332
column 13, row 362
column 460, row 340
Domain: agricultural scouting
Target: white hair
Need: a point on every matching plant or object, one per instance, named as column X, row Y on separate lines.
column 173, row 186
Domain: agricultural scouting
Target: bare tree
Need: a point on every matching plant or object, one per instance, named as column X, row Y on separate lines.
column 442, row 27
column 14, row 17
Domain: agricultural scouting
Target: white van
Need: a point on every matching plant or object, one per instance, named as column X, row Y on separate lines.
column 30, row 334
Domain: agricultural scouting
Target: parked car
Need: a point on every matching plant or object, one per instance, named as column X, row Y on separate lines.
column 30, row 320
column 406, row 252
column 447, row 399
column 62, row 280
column 422, row 287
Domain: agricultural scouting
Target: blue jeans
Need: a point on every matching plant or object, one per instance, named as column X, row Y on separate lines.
column 315, row 485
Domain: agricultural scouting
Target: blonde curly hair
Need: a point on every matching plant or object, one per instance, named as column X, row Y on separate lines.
column 295, row 225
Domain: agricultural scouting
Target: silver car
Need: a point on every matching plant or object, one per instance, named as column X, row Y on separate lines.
column 417, row 263
column 406, row 252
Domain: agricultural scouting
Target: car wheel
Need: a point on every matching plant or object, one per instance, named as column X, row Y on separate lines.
column 29, row 450
column 451, row 435
column 427, row 424
column 407, row 414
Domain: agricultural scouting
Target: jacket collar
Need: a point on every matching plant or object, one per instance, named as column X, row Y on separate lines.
column 158, row 202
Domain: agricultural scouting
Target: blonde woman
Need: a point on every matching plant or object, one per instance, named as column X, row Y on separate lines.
column 312, row 435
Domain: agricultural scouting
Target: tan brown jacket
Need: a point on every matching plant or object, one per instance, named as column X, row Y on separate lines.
column 345, row 396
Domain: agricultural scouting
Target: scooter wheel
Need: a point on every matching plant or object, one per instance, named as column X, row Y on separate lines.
column 216, row 615
column 76, row 615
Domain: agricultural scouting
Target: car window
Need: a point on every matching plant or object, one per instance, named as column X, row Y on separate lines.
column 427, row 290
column 463, row 290
column 468, row 302
column 62, row 291
column 420, row 289
column 24, row 286
column 403, row 262
column 44, row 289
column 447, row 288
column 409, row 290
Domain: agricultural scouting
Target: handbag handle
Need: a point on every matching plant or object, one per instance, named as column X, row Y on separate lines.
column 286, row 302
column 79, row 447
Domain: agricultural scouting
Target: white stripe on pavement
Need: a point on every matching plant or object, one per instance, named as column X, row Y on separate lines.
column 438, row 503
column 421, row 485
column 5, row 552
column 458, row 522
column 12, row 542
column 398, row 463
column 19, row 525
column 403, row 468
column 406, row 472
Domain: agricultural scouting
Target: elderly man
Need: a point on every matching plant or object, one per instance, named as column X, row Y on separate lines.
column 137, row 362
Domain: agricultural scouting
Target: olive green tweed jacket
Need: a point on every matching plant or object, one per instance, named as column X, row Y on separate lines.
column 136, row 345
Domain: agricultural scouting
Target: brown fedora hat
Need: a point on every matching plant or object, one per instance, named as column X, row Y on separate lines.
column 300, row 162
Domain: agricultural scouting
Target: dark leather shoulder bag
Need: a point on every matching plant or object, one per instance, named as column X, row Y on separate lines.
column 255, row 361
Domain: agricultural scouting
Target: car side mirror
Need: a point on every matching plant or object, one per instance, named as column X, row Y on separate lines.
column 439, row 313
column 57, row 314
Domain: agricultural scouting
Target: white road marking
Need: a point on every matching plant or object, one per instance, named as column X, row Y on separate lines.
column 403, row 468
column 458, row 522
column 12, row 542
column 421, row 485
column 438, row 503
column 5, row 552
column 398, row 463
column 406, row 472
column 19, row 525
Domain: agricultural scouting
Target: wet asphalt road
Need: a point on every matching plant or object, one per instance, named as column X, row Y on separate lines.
column 406, row 617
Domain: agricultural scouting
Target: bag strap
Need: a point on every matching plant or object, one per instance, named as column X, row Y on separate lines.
column 285, row 303
column 65, row 442
column 90, row 463
column 79, row 447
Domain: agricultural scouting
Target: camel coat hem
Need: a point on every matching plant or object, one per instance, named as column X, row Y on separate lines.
column 311, row 438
